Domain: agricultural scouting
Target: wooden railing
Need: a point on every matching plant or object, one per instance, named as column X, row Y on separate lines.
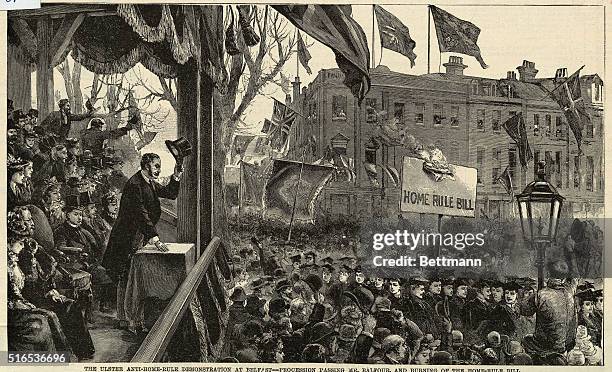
column 202, row 279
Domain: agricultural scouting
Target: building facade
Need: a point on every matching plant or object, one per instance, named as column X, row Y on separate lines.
column 462, row 116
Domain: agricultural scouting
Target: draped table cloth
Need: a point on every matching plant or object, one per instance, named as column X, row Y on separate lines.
column 155, row 274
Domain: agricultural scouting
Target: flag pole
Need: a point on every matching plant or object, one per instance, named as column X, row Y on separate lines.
column 297, row 56
column 373, row 38
column 240, row 193
column 428, row 39
column 297, row 187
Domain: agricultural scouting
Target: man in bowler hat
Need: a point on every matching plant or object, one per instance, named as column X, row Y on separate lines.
column 139, row 212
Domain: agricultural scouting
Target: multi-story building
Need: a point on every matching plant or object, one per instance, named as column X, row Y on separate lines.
column 461, row 115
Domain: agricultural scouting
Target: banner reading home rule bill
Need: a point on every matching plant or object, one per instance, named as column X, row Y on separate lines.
column 421, row 193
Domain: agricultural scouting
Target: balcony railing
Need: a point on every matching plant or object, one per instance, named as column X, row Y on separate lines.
column 202, row 293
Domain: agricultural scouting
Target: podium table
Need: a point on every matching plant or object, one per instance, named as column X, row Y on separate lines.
column 156, row 274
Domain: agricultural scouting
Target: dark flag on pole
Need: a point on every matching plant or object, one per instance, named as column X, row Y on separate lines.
column 456, row 35
column 568, row 95
column 278, row 129
column 394, row 35
column 281, row 188
column 303, row 53
column 506, row 181
column 334, row 26
column 515, row 127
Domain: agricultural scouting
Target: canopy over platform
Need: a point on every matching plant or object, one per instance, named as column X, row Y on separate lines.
column 111, row 39
column 179, row 41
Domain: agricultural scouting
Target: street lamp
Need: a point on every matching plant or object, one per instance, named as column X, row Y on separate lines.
column 539, row 210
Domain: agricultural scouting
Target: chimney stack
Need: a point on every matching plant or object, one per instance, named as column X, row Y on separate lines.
column 561, row 72
column 527, row 72
column 455, row 66
column 511, row 75
column 296, row 88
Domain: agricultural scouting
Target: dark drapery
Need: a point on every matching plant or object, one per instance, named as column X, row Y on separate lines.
column 158, row 36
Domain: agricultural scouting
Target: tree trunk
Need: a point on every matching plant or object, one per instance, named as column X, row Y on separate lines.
column 76, row 87
column 65, row 71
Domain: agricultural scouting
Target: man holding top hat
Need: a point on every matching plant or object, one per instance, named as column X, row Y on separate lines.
column 139, row 212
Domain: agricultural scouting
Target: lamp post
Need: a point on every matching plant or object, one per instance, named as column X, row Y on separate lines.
column 539, row 209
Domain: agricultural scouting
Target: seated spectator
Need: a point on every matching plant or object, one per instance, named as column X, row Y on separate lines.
column 56, row 165
column 52, row 205
column 18, row 192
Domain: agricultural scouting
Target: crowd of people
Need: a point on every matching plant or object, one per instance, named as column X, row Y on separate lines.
column 62, row 198
column 296, row 306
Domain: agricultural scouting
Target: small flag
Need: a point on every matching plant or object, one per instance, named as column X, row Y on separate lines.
column 569, row 97
column 303, row 53
column 345, row 167
column 392, row 173
column 334, row 26
column 147, row 138
column 394, row 35
column 456, row 35
column 515, row 127
column 281, row 188
column 239, row 146
column 506, row 180
column 372, row 173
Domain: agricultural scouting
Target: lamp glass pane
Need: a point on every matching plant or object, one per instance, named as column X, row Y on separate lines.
column 525, row 219
column 541, row 221
column 556, row 206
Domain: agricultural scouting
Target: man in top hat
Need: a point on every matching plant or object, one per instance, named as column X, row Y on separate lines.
column 434, row 291
column 505, row 316
column 497, row 292
column 478, row 309
column 359, row 280
column 139, row 212
column 395, row 294
column 327, row 275
column 236, row 311
column 71, row 234
column 94, row 223
column 457, row 304
column 417, row 309
column 296, row 261
column 95, row 135
column 60, row 122
column 442, row 308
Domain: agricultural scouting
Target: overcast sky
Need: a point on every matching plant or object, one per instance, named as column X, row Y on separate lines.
column 550, row 36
